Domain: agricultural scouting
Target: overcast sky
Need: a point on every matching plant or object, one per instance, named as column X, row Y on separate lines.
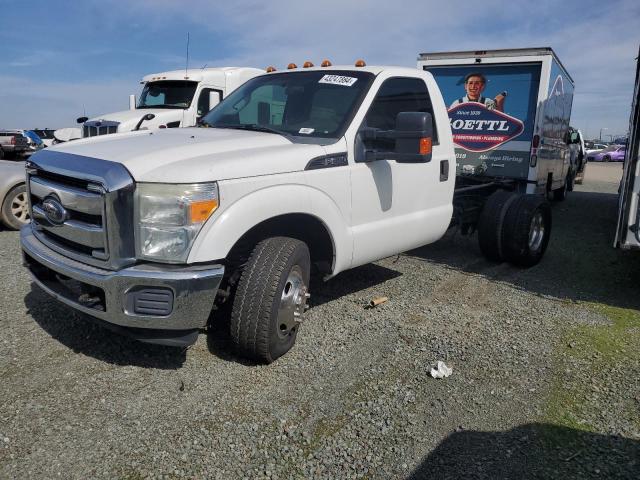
column 61, row 59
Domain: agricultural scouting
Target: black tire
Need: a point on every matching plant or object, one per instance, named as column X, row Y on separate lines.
column 491, row 223
column 1, row 154
column 521, row 246
column 269, row 281
column 571, row 180
column 606, row 158
column 15, row 208
column 560, row 194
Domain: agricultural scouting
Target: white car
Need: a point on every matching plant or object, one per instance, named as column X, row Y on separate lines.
column 595, row 148
column 14, row 211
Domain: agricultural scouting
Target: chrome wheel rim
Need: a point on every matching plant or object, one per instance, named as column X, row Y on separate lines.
column 293, row 302
column 20, row 207
column 536, row 232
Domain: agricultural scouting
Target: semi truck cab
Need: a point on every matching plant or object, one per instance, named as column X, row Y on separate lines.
column 172, row 99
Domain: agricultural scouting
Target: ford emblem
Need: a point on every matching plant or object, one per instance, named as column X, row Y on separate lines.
column 54, row 211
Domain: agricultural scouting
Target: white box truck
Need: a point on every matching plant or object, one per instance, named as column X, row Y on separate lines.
column 628, row 228
column 316, row 169
column 171, row 99
column 509, row 112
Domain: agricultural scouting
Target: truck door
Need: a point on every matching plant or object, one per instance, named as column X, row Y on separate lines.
column 398, row 206
column 207, row 99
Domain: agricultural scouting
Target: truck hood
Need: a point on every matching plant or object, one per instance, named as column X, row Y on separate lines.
column 189, row 155
column 128, row 119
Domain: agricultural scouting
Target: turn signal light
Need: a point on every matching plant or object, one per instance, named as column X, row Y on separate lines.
column 326, row 63
column 291, row 66
column 271, row 69
column 200, row 211
column 425, row 146
column 360, row 63
column 307, row 64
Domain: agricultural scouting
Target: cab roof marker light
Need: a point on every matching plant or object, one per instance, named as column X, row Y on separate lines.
column 307, row 64
column 360, row 63
column 291, row 66
column 326, row 63
column 270, row 69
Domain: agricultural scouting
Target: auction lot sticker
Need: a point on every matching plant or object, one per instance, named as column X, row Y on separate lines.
column 338, row 80
column 478, row 129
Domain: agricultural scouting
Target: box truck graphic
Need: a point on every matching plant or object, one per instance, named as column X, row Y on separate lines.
column 509, row 112
column 476, row 128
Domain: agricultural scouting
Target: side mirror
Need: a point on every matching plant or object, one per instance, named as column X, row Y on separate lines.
column 148, row 116
column 413, row 137
column 81, row 119
column 214, row 99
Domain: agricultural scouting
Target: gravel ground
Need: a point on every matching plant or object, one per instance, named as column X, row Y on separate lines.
column 545, row 374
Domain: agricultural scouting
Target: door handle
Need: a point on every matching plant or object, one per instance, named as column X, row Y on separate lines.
column 444, row 170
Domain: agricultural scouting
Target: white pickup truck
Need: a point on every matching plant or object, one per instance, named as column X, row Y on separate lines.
column 307, row 171
column 178, row 98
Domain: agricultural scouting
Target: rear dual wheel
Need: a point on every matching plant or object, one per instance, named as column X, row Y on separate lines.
column 515, row 228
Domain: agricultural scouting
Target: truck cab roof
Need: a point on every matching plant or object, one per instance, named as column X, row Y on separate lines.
column 374, row 69
column 213, row 75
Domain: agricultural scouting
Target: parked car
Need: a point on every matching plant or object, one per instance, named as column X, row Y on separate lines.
column 12, row 143
column 14, row 210
column 614, row 153
column 594, row 147
column 34, row 142
column 46, row 134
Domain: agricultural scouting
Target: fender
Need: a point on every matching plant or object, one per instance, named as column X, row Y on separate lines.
column 225, row 227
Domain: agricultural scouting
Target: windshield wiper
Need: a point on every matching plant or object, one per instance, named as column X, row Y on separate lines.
column 252, row 127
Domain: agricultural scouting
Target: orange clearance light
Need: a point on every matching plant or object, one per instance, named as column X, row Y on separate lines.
column 307, row 64
column 425, row 146
column 291, row 66
column 326, row 63
column 200, row 211
column 360, row 63
column 271, row 69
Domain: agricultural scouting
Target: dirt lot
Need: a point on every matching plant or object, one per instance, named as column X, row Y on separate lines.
column 545, row 384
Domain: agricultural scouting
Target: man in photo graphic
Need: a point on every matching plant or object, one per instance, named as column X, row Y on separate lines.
column 474, row 84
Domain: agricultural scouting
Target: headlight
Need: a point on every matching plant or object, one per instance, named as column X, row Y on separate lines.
column 168, row 218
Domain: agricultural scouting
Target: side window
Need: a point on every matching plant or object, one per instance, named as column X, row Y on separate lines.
column 399, row 95
column 203, row 101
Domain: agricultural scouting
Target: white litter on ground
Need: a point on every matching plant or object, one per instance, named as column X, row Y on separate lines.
column 441, row 370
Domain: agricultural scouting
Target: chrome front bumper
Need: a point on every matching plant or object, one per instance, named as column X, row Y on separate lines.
column 111, row 295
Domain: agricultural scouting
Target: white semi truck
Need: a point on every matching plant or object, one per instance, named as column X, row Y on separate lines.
column 171, row 99
column 309, row 170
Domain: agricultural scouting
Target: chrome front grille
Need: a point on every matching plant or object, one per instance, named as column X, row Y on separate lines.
column 82, row 208
column 99, row 128
column 83, row 228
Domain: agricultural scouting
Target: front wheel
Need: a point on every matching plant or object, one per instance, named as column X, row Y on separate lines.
column 271, row 298
column 15, row 208
column 606, row 158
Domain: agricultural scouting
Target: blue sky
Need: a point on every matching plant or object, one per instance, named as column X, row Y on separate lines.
column 62, row 58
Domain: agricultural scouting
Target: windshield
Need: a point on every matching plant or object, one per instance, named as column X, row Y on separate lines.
column 307, row 104
column 46, row 133
column 167, row 94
